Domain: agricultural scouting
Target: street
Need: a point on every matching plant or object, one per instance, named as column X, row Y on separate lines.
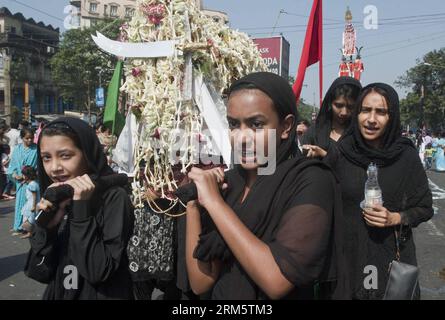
column 429, row 239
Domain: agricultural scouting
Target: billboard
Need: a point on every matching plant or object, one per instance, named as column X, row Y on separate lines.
column 100, row 97
column 275, row 53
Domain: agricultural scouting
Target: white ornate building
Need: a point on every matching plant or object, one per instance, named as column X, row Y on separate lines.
column 91, row 11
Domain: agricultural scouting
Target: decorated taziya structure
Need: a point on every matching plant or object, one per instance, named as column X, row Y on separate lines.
column 178, row 64
column 351, row 63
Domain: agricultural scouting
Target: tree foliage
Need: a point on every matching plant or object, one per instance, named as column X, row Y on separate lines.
column 429, row 108
column 75, row 67
column 305, row 111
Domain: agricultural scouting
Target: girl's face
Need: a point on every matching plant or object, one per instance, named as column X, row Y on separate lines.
column 28, row 139
column 61, row 159
column 373, row 118
column 251, row 116
column 342, row 110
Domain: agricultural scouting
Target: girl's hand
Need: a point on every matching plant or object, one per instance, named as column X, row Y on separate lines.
column 47, row 206
column 18, row 178
column 208, row 183
column 380, row 217
column 314, row 151
column 83, row 187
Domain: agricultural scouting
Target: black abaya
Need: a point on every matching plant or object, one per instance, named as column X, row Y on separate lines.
column 405, row 190
column 93, row 237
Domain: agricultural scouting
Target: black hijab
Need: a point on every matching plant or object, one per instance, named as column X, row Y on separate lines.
column 354, row 147
column 270, row 196
column 89, row 143
column 319, row 134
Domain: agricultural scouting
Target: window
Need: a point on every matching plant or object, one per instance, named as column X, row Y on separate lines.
column 105, row 10
column 113, row 11
column 13, row 30
column 93, row 7
column 129, row 12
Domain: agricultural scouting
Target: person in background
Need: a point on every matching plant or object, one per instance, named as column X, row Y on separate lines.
column 25, row 154
column 13, row 134
column 440, row 154
column 4, row 166
column 302, row 126
column 333, row 119
column 4, row 151
column 429, row 150
column 29, row 210
column 41, row 124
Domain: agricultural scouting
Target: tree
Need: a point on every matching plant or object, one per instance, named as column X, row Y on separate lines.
column 305, row 111
column 425, row 103
column 75, row 67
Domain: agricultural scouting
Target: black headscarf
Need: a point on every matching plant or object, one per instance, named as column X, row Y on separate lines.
column 319, row 134
column 279, row 90
column 90, row 145
column 354, row 147
column 270, row 196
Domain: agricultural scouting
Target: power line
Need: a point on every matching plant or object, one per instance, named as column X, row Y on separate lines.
column 379, row 34
column 357, row 28
column 38, row 10
column 427, row 18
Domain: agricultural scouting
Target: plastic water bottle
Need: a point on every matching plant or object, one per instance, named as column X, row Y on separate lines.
column 373, row 193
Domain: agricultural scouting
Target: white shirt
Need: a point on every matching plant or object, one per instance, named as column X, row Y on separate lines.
column 14, row 138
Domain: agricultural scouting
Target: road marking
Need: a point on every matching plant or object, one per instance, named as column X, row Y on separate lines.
column 438, row 193
column 434, row 231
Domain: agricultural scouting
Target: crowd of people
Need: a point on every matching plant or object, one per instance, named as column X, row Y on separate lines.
column 299, row 233
column 431, row 148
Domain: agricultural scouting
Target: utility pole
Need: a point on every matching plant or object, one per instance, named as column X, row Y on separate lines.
column 88, row 73
column 315, row 104
column 26, row 107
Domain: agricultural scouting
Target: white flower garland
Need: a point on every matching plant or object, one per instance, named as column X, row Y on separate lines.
column 154, row 86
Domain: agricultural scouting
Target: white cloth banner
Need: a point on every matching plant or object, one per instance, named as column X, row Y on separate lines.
column 135, row 50
column 123, row 154
column 217, row 127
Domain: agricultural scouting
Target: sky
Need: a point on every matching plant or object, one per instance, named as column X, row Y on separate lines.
column 388, row 51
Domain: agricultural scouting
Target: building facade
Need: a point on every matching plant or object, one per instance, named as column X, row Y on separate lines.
column 92, row 11
column 25, row 76
column 89, row 12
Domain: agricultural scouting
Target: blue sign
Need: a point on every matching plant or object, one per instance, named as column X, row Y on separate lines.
column 100, row 97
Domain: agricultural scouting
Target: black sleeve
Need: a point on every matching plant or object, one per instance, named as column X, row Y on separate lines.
column 41, row 262
column 302, row 241
column 332, row 155
column 420, row 199
column 97, row 249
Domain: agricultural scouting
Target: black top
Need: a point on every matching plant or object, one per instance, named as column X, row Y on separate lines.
column 405, row 193
column 301, row 226
column 301, row 242
column 94, row 242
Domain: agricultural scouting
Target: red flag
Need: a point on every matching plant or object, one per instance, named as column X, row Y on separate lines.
column 312, row 49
